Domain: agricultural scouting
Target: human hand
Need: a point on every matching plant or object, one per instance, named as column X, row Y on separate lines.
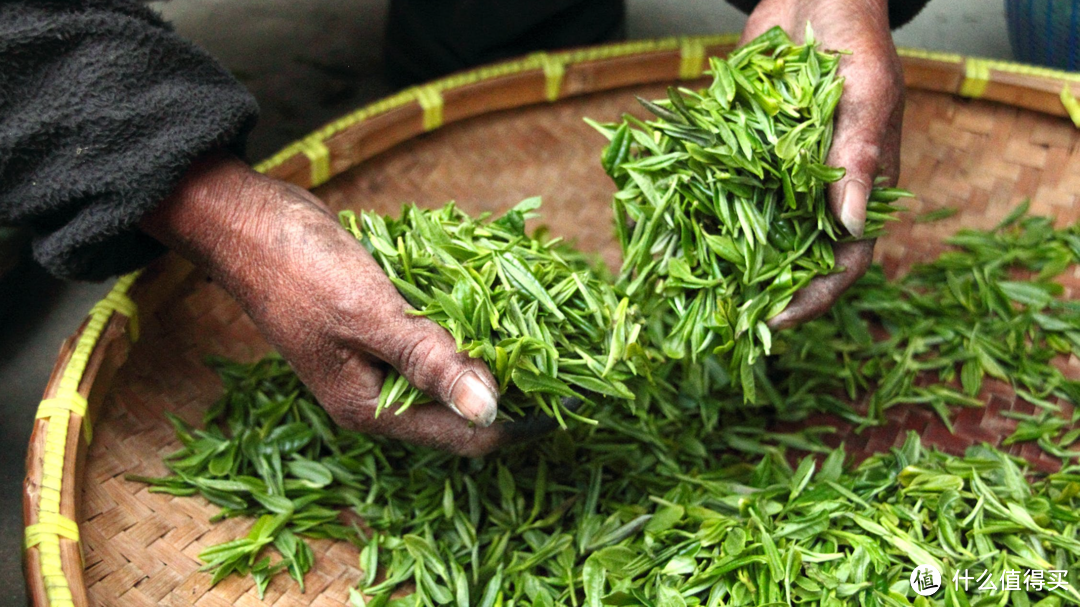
column 320, row 298
column 866, row 138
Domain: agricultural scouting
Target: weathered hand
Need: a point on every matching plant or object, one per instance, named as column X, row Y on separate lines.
column 321, row 299
column 866, row 140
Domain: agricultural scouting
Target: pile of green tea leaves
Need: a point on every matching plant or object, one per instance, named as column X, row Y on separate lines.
column 721, row 209
column 654, row 507
column 537, row 312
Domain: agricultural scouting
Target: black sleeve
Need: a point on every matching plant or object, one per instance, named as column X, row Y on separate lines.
column 102, row 109
column 900, row 11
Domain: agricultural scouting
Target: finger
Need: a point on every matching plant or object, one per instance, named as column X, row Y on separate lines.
column 866, row 139
column 352, row 399
column 431, row 425
column 426, row 354
column 817, row 297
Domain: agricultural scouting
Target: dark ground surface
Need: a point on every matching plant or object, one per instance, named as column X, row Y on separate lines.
column 307, row 63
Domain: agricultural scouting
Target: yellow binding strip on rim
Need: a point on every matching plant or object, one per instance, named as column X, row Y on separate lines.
column 554, row 70
column 691, row 58
column 48, row 543
column 119, row 301
column 71, row 402
column 1072, row 106
column 991, row 64
column 918, row 53
column 976, row 77
column 430, row 99
column 1030, row 70
column 318, row 156
column 51, row 525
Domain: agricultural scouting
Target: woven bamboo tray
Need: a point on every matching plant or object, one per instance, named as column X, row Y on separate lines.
column 502, row 133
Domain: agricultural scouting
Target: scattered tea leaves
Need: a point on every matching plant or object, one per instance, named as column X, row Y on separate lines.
column 642, row 509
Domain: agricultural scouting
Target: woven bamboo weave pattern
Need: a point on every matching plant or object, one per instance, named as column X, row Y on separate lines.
column 140, row 548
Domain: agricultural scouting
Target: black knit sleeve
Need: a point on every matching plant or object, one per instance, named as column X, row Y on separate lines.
column 900, row 11
column 102, row 109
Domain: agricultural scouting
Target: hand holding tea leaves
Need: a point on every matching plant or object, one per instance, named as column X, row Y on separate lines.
column 541, row 314
column 722, row 210
column 866, row 140
column 319, row 297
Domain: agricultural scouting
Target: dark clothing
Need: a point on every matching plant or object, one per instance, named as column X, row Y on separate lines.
column 900, row 11
column 426, row 39
column 103, row 107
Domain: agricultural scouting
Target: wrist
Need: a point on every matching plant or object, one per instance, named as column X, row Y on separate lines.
column 215, row 216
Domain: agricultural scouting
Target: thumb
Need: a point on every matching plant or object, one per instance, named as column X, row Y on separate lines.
column 858, row 147
column 849, row 196
column 427, row 355
column 866, row 143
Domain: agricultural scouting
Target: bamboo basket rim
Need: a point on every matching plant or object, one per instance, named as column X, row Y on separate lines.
column 82, row 374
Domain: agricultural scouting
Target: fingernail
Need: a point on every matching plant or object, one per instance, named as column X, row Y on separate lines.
column 472, row 399
column 853, row 208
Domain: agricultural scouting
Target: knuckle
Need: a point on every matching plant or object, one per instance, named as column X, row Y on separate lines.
column 417, row 355
column 347, row 389
column 350, row 417
column 450, row 440
column 364, row 311
column 865, row 152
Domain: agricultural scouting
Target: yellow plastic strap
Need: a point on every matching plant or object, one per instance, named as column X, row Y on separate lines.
column 51, row 524
column 52, row 466
column 918, row 53
column 431, row 101
column 72, row 402
column 119, row 301
column 318, row 156
column 48, row 544
column 976, row 76
column 1072, row 106
column 45, row 535
column 554, row 70
column 692, row 58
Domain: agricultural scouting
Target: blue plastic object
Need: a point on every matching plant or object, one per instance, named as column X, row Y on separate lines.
column 1045, row 32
